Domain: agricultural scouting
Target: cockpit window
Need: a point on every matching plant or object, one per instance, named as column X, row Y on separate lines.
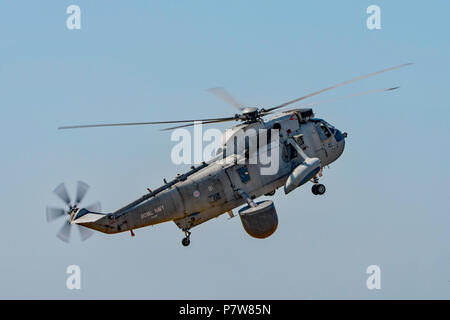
column 339, row 136
column 323, row 131
column 331, row 127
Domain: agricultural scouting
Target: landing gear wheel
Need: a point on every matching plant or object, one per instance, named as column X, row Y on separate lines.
column 185, row 241
column 318, row 189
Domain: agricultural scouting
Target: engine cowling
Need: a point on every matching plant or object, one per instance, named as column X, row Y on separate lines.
column 302, row 174
column 260, row 221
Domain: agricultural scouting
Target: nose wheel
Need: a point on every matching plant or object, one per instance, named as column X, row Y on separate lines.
column 318, row 189
column 186, row 240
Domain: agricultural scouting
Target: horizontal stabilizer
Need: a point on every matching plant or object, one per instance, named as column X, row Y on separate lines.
column 85, row 216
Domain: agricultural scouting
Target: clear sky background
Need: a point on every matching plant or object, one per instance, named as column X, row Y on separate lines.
column 387, row 196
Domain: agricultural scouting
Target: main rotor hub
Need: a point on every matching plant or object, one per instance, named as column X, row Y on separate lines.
column 250, row 114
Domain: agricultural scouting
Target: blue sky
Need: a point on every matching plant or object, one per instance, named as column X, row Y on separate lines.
column 386, row 200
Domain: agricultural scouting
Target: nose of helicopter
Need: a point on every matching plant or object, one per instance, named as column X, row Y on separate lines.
column 340, row 139
column 339, row 135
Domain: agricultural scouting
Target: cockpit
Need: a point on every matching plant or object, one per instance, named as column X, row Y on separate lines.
column 326, row 130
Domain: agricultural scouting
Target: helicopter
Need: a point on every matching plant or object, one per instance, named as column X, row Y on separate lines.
column 300, row 144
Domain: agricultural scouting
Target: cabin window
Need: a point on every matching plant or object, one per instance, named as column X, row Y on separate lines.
column 243, row 174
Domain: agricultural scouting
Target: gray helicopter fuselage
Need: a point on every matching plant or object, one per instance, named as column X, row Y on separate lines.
column 216, row 187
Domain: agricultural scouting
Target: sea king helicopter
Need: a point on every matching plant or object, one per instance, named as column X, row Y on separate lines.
column 300, row 143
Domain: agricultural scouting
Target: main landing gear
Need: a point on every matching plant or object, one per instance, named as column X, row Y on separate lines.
column 186, row 240
column 317, row 188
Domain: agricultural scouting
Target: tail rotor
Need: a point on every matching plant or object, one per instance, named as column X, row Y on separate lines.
column 54, row 213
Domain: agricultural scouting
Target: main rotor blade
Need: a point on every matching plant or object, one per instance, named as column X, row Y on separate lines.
column 206, row 122
column 95, row 207
column 53, row 213
column 64, row 232
column 223, row 94
column 345, row 97
column 82, row 188
column 135, row 123
column 62, row 193
column 85, row 233
column 337, row 86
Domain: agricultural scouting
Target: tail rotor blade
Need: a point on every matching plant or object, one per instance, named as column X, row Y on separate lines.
column 85, row 233
column 64, row 232
column 54, row 213
column 62, row 193
column 82, row 188
column 95, row 207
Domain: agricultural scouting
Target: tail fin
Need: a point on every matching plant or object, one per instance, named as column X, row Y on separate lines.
column 85, row 216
